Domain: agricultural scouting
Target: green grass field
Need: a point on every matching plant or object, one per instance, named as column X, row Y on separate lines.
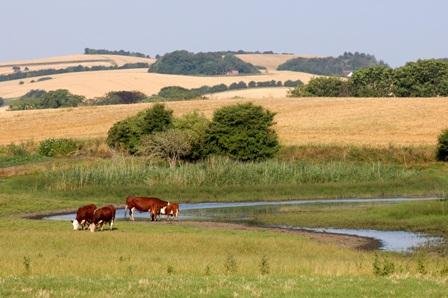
column 47, row 259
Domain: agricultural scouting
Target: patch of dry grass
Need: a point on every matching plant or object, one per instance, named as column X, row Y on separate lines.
column 378, row 122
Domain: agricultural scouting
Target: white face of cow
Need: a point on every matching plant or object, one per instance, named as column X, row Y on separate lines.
column 163, row 210
column 92, row 227
column 76, row 225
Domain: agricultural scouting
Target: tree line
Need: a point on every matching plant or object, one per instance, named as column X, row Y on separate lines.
column 88, row 51
column 211, row 63
column 80, row 68
column 331, row 66
column 423, row 78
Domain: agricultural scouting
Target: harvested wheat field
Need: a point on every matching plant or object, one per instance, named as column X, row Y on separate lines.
column 97, row 83
column 59, row 62
column 270, row 61
column 378, row 122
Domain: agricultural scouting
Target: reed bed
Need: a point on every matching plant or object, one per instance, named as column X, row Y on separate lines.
column 216, row 172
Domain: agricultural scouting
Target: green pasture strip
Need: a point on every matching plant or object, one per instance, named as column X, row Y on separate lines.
column 219, row 286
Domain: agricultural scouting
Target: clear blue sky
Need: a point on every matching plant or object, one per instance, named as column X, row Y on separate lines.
column 394, row 30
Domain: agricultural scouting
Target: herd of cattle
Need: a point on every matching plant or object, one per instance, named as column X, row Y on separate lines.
column 91, row 217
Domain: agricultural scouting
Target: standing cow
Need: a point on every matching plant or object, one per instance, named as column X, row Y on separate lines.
column 144, row 204
column 84, row 217
column 101, row 216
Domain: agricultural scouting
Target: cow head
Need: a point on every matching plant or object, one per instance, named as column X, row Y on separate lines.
column 92, row 227
column 76, row 225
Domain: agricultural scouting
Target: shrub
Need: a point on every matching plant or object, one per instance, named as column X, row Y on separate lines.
column 2, row 102
column 172, row 145
column 177, row 93
column 442, row 146
column 375, row 81
column 57, row 147
column 323, row 87
column 39, row 99
column 424, row 78
column 157, row 118
column 121, row 97
column 125, row 135
column 196, row 125
column 382, row 267
column 243, row 132
column 293, row 84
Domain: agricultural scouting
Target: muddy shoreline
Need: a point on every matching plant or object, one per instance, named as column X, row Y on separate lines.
column 341, row 240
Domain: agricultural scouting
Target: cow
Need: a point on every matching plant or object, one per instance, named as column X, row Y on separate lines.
column 171, row 210
column 84, row 217
column 144, row 204
column 101, row 216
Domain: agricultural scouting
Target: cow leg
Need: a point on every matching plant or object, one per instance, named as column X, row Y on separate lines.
column 111, row 224
column 132, row 213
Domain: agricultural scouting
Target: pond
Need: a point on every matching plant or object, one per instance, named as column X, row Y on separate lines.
column 242, row 212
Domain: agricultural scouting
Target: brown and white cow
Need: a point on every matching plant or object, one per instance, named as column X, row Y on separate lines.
column 144, row 204
column 171, row 210
column 101, row 216
column 84, row 217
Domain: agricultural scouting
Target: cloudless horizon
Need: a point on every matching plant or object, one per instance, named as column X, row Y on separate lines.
column 394, row 31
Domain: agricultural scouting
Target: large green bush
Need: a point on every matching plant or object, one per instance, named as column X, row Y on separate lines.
column 178, row 93
column 57, row 147
column 243, row 132
column 442, row 146
column 323, row 87
column 375, row 81
column 125, row 135
column 424, row 78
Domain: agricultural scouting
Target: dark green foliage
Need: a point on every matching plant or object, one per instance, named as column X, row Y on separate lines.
column 331, row 66
column 157, row 118
column 57, row 147
column 442, row 146
column 2, row 102
column 184, row 62
column 121, row 97
column 178, row 93
column 424, row 78
column 236, row 86
column 323, row 87
column 375, row 81
column 293, row 84
column 39, row 99
column 243, row 132
column 44, row 79
column 196, row 125
column 45, row 72
column 88, row 51
column 125, row 135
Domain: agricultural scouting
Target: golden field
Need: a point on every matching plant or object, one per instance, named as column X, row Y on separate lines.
column 360, row 121
column 98, row 83
column 58, row 62
column 270, row 61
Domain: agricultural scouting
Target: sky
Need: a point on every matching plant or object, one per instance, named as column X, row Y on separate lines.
column 395, row 31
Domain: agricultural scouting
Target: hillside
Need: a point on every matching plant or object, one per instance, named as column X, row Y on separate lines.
column 97, row 83
column 270, row 61
column 378, row 122
column 71, row 60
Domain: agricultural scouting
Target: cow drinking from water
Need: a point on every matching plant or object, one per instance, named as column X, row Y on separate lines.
column 144, row 204
column 103, row 216
column 84, row 217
